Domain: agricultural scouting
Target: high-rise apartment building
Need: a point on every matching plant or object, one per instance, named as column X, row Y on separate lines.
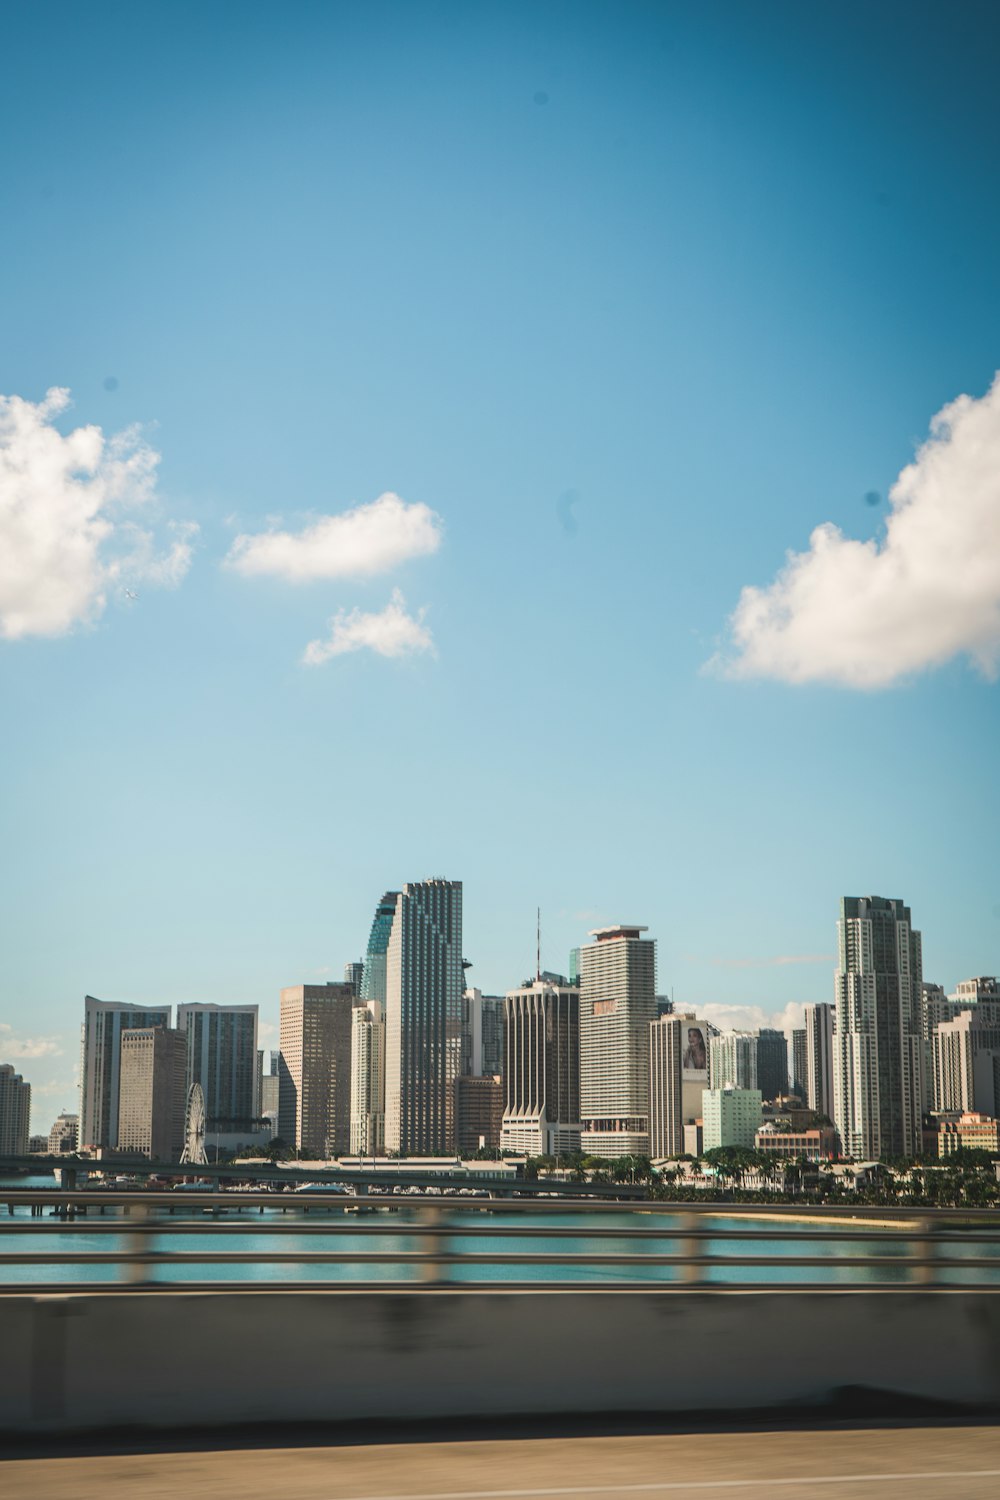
column 153, row 1092
column 772, row 1063
column 733, row 1060
column 354, row 974
column 222, row 1057
column 15, row 1112
column 100, row 1062
column 877, row 1047
column 541, row 1071
column 423, row 1018
column 966, row 1061
column 617, row 1004
column 800, row 1067
column 314, row 1068
column 819, row 1058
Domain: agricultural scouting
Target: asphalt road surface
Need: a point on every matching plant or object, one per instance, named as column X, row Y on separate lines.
column 954, row 1462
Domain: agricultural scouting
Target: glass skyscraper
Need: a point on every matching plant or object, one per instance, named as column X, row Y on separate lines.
column 424, row 982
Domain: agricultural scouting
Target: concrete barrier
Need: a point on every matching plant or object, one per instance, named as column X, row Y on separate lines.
column 186, row 1359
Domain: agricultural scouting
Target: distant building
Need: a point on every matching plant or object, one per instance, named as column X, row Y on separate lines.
column 966, row 1061
column 64, row 1135
column 878, row 1046
column 541, row 1073
column 667, row 1037
column 222, row 1057
column 800, row 1068
column 153, row 1092
column 819, row 1059
column 482, row 1033
column 100, row 1059
column 368, row 1079
column 15, row 1112
column 970, row 1132
column 478, row 1114
column 617, row 1004
column 772, row 1063
column 423, row 1017
column 732, row 1117
column 818, row 1144
column 972, row 991
column 314, row 1078
column 733, row 1060
column 694, row 1138
column 38, row 1145
column 354, row 975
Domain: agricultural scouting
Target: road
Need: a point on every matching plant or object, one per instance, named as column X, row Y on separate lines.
column 953, row 1462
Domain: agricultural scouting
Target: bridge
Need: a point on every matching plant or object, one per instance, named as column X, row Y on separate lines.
column 247, row 1308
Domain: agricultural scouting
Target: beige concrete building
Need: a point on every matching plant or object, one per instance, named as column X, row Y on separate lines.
column 970, row 1132
column 617, row 1004
column 314, row 1068
column 65, row 1134
column 152, row 1094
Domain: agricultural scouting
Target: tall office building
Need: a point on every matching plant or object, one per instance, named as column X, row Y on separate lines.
column 800, row 1067
column 478, row 1114
column 966, row 1061
column 15, row 1112
column 733, row 1060
column 100, row 1062
column 667, row 1039
column 617, row 1004
column 423, row 1018
column 314, row 1068
column 819, row 1058
column 877, row 1045
column 541, row 1071
column 222, row 1057
column 153, row 1093
column 772, row 1063
column 482, row 1034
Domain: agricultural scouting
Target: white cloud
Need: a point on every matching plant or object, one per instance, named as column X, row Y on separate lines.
column 866, row 613
column 65, row 534
column 751, row 1017
column 359, row 543
column 392, row 632
column 13, row 1046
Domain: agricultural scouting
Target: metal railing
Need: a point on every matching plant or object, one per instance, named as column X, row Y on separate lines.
column 375, row 1243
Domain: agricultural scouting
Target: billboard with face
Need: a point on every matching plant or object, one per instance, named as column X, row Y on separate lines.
column 694, row 1053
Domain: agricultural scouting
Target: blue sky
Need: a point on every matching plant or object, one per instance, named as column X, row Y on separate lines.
column 623, row 302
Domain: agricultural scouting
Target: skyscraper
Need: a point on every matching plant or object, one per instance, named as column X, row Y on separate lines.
column 222, row 1057
column 153, row 1093
column 667, row 1040
column 772, row 1063
column 482, row 1033
column 541, row 1072
column 15, row 1112
column 423, row 1017
column 314, row 1068
column 819, row 1058
column 100, row 1063
column 733, row 1060
column 877, row 1045
column 800, row 1067
column 368, row 1037
column 617, row 1004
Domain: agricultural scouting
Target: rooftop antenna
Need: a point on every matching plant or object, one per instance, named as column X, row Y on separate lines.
column 538, row 943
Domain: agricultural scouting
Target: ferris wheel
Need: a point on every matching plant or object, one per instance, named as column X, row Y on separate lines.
column 194, row 1128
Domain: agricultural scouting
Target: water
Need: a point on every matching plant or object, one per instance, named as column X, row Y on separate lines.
column 400, row 1240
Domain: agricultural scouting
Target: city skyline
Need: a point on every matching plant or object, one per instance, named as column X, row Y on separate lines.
column 461, row 417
